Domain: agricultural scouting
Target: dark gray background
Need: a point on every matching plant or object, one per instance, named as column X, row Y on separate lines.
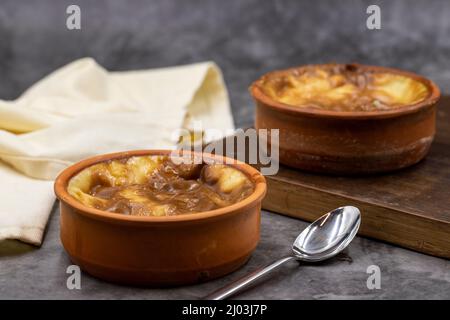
column 246, row 38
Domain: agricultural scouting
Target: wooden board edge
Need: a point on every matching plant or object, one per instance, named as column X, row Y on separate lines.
column 371, row 202
column 378, row 222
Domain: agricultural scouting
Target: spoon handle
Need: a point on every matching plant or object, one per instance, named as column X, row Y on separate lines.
column 246, row 281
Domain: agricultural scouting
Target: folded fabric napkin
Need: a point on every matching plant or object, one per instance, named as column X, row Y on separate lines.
column 81, row 110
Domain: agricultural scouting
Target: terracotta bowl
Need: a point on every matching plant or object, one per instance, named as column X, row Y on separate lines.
column 159, row 251
column 358, row 142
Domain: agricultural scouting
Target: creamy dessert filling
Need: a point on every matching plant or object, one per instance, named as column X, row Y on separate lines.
column 157, row 186
column 344, row 88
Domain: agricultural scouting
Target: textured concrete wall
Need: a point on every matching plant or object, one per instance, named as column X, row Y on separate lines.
column 245, row 37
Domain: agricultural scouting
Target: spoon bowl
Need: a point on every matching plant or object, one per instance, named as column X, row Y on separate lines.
column 328, row 235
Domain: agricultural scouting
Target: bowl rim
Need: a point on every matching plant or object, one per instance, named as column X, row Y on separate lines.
column 62, row 180
column 260, row 96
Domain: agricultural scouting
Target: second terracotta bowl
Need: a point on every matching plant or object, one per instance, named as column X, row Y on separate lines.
column 349, row 142
column 159, row 251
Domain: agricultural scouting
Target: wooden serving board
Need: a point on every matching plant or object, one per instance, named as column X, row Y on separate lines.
column 410, row 207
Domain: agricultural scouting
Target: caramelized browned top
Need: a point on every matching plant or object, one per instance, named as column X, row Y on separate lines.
column 344, row 88
column 156, row 186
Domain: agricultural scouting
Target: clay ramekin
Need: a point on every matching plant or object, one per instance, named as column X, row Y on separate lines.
column 159, row 251
column 349, row 142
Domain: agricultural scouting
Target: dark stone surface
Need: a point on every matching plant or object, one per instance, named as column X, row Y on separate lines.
column 246, row 38
column 41, row 273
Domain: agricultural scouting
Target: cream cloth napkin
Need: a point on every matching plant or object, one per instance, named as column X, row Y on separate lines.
column 81, row 110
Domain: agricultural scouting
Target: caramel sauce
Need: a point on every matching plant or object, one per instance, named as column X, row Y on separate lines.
column 156, row 186
column 344, row 88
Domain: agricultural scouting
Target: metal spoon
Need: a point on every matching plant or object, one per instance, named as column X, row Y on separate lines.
column 321, row 240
